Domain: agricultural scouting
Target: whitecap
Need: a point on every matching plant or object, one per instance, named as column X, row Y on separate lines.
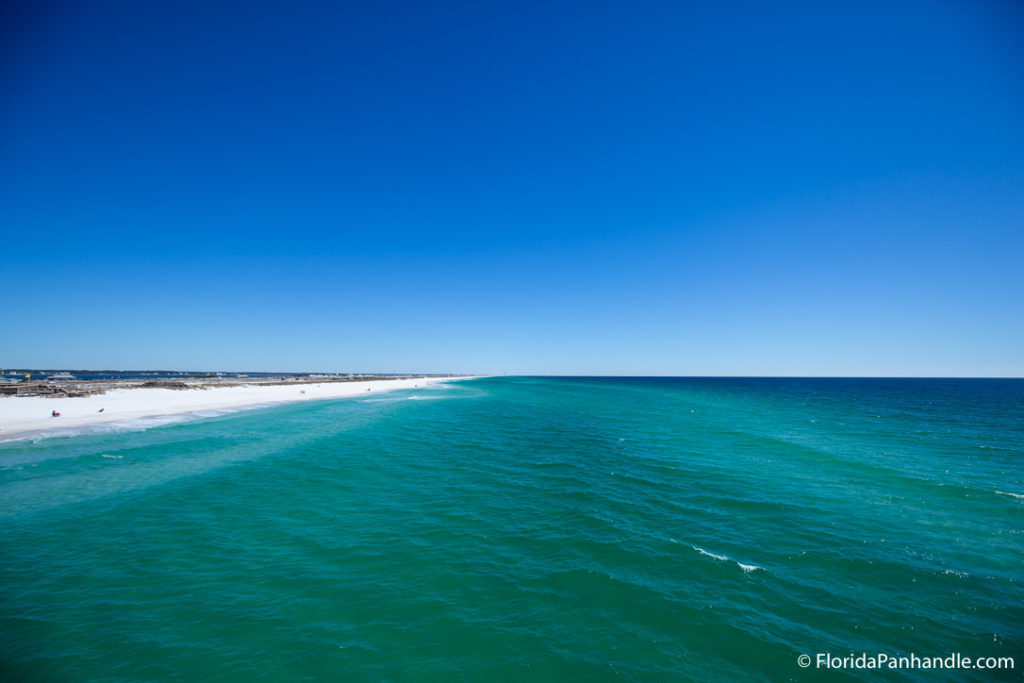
column 747, row 568
column 1015, row 495
column 705, row 552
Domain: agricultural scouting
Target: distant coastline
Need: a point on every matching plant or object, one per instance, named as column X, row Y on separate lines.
column 62, row 404
column 76, row 383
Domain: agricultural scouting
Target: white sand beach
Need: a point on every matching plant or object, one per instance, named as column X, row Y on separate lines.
column 22, row 416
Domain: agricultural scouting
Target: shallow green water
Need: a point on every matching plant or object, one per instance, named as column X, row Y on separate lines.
column 525, row 529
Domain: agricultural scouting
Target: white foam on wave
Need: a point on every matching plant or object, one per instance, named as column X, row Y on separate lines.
column 112, row 457
column 415, row 397
column 135, row 424
column 747, row 568
column 1014, row 495
column 705, row 552
column 212, row 413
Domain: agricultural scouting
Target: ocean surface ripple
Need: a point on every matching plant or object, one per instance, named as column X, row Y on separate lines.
column 524, row 529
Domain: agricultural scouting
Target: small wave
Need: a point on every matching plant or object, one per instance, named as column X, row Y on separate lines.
column 1015, row 495
column 953, row 572
column 131, row 425
column 134, row 425
column 747, row 568
column 112, row 457
column 211, row 413
column 705, row 552
column 417, row 397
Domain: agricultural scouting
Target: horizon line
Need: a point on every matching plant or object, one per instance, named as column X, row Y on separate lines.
column 526, row 374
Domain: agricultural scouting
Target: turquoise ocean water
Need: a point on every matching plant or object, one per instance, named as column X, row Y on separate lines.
column 525, row 529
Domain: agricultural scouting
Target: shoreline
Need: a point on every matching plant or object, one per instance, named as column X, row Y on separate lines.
column 27, row 416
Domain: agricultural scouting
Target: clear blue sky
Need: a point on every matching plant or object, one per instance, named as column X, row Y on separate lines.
column 819, row 188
